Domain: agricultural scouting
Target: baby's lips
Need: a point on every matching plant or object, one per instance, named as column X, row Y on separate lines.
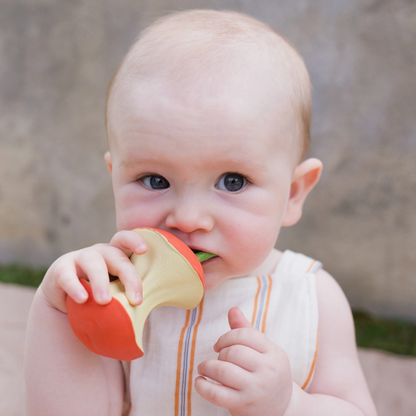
column 171, row 275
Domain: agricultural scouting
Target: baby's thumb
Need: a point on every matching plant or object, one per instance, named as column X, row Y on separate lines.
column 236, row 319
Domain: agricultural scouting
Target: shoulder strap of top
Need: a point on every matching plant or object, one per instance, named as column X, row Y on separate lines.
column 297, row 263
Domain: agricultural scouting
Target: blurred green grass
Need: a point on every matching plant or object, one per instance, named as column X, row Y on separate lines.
column 398, row 337
column 20, row 275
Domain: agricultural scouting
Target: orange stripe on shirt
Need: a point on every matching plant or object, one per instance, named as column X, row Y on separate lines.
column 192, row 359
column 256, row 301
column 269, row 291
column 130, row 405
column 310, row 267
column 179, row 363
column 312, row 366
column 316, row 348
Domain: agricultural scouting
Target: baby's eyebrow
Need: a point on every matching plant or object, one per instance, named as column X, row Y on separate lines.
column 242, row 164
column 125, row 163
column 247, row 164
column 233, row 163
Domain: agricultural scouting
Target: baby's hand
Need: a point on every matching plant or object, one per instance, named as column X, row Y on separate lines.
column 254, row 373
column 95, row 263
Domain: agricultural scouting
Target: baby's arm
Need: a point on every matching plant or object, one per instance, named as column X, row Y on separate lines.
column 338, row 385
column 62, row 376
column 254, row 374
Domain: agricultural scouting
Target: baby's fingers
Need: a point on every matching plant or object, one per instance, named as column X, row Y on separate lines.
column 68, row 281
column 239, row 355
column 100, row 261
column 225, row 373
column 249, row 337
column 217, row 394
column 60, row 281
column 92, row 265
column 125, row 270
column 129, row 242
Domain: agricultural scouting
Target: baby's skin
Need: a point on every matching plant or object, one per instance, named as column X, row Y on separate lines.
column 220, row 174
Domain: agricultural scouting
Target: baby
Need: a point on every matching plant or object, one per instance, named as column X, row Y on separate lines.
column 208, row 123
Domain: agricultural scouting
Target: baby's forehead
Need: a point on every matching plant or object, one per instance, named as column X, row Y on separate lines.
column 158, row 117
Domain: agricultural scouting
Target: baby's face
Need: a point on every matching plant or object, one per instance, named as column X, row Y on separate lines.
column 216, row 173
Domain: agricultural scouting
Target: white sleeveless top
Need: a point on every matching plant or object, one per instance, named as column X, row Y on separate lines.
column 282, row 305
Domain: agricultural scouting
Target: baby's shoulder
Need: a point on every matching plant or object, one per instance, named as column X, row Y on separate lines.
column 297, row 263
column 323, row 291
column 329, row 292
column 335, row 316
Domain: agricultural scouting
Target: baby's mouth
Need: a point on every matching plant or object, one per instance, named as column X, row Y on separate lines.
column 202, row 255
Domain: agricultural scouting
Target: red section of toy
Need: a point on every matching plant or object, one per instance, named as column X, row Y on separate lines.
column 171, row 276
column 104, row 329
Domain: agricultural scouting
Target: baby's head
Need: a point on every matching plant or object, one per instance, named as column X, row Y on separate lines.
column 207, row 118
column 201, row 54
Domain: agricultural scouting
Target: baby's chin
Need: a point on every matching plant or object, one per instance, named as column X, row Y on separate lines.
column 214, row 278
column 250, row 269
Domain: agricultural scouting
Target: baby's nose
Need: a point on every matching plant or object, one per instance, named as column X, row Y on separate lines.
column 190, row 214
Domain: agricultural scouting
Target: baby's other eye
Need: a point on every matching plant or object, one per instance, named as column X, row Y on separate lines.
column 155, row 182
column 231, row 182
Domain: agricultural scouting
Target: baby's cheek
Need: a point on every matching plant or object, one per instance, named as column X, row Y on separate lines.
column 254, row 243
column 133, row 213
column 258, row 252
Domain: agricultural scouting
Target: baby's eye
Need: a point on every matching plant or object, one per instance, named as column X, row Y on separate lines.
column 231, row 182
column 155, row 182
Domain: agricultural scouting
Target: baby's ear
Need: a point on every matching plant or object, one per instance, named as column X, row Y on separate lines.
column 107, row 158
column 305, row 177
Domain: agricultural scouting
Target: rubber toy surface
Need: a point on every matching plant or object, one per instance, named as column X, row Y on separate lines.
column 172, row 276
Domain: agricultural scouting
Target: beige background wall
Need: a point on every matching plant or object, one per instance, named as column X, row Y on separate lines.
column 56, row 58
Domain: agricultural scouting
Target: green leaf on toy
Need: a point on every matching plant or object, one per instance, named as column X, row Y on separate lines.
column 202, row 256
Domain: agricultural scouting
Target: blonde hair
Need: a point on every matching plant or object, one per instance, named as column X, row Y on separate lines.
column 184, row 47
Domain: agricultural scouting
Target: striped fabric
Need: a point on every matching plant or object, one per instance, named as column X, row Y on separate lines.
column 186, row 361
column 282, row 305
column 261, row 302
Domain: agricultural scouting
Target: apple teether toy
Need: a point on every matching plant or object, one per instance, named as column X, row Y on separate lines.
column 171, row 274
